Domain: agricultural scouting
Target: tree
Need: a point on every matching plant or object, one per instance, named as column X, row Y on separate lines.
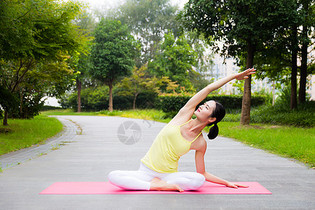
column 112, row 54
column 204, row 64
column 290, row 44
column 8, row 101
column 278, row 60
column 149, row 21
column 175, row 60
column 308, row 9
column 81, row 61
column 243, row 26
column 82, row 67
column 45, row 78
column 34, row 32
column 140, row 81
column 135, row 84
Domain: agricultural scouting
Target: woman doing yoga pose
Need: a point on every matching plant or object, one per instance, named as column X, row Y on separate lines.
column 158, row 168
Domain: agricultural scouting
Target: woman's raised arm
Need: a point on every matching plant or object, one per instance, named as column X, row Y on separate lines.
column 189, row 108
column 202, row 94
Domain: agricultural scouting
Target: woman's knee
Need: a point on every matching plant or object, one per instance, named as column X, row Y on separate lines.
column 114, row 176
column 198, row 181
column 186, row 180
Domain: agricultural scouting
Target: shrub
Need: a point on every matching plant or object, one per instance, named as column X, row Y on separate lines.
column 303, row 116
column 281, row 114
column 147, row 100
column 93, row 98
column 174, row 103
column 47, row 108
column 96, row 99
column 29, row 107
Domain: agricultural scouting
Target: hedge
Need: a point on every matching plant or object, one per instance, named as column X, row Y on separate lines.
column 303, row 116
column 175, row 103
column 96, row 99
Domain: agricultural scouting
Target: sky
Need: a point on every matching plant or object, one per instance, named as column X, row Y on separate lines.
column 96, row 4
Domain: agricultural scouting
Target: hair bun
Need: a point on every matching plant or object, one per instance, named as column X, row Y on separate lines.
column 213, row 132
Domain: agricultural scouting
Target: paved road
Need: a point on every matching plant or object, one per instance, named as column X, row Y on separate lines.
column 89, row 156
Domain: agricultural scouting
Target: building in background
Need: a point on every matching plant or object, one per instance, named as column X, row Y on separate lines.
column 224, row 67
column 311, row 88
column 51, row 101
column 311, row 57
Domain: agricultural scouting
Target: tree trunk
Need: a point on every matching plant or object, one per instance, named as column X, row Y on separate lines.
column 134, row 101
column 273, row 93
column 245, row 115
column 303, row 74
column 293, row 100
column 21, row 104
column 5, row 117
column 110, row 105
column 79, row 84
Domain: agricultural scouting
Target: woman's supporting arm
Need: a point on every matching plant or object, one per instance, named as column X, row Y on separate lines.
column 200, row 167
column 217, row 180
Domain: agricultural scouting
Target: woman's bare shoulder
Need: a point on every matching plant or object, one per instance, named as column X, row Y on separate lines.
column 200, row 144
column 181, row 117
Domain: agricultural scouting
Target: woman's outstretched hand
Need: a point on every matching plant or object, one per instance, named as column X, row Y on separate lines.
column 245, row 74
column 235, row 185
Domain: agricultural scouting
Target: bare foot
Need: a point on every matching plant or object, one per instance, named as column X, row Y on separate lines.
column 160, row 185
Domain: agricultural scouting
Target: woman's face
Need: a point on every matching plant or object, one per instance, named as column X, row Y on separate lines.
column 204, row 111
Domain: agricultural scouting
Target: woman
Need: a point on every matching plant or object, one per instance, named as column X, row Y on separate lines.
column 158, row 168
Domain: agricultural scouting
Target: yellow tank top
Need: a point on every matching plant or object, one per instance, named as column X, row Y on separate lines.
column 166, row 150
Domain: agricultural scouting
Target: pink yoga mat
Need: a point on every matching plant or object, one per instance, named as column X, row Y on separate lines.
column 73, row 188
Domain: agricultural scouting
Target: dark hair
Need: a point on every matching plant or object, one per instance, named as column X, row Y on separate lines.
column 218, row 113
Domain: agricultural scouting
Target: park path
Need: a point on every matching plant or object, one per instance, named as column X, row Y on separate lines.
column 110, row 143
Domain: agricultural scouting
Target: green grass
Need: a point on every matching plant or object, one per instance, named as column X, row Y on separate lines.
column 27, row 132
column 67, row 112
column 287, row 141
column 147, row 114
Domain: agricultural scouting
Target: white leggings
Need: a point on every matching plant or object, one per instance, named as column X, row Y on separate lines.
column 140, row 180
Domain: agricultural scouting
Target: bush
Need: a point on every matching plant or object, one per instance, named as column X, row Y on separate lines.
column 92, row 99
column 281, row 114
column 171, row 104
column 47, row 108
column 147, row 100
column 304, row 116
column 29, row 106
column 96, row 99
